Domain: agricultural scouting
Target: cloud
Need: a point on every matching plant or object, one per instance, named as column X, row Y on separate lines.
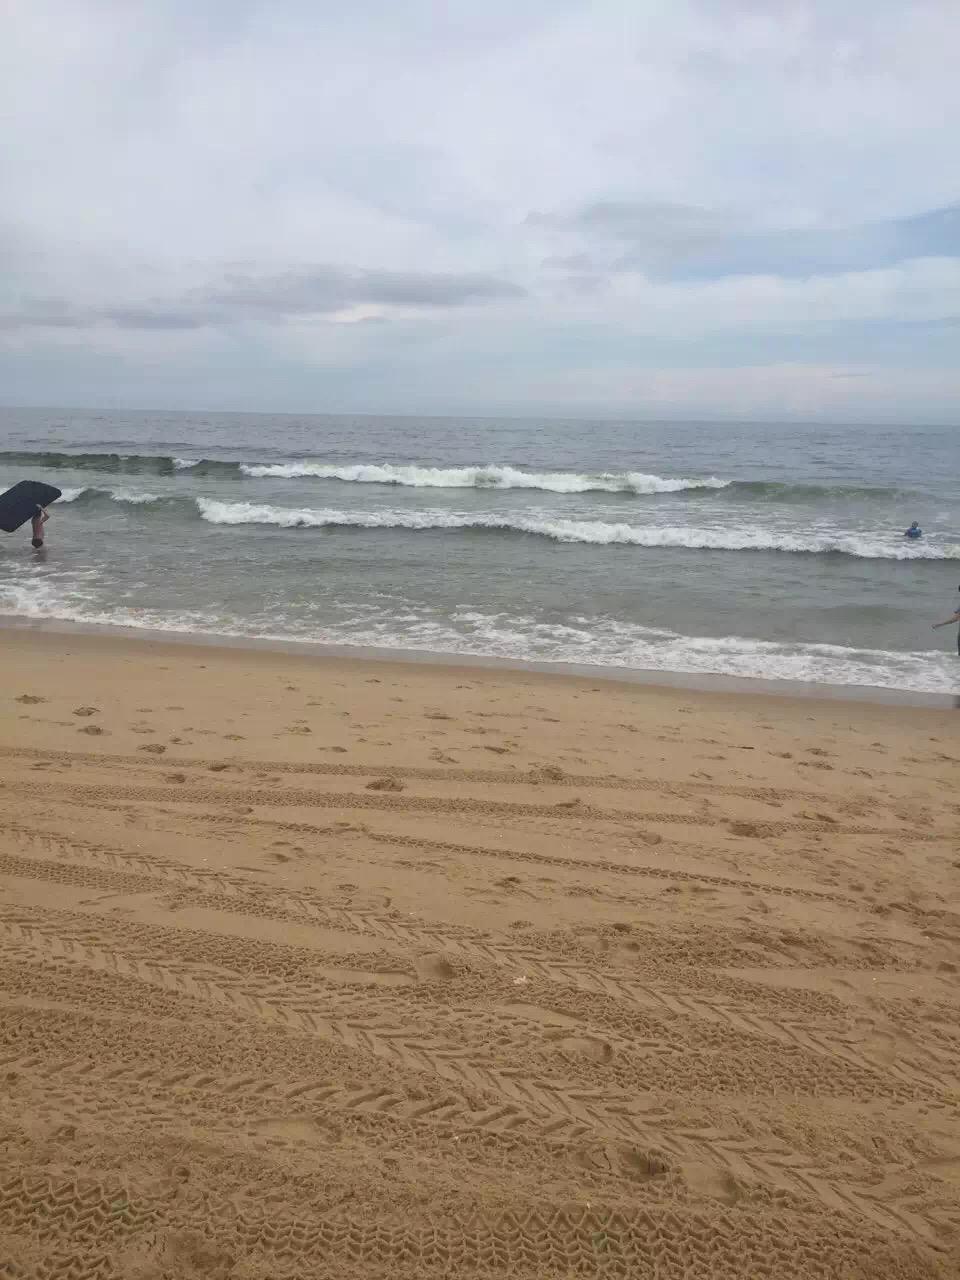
column 640, row 221
column 296, row 293
column 380, row 199
column 669, row 241
column 323, row 289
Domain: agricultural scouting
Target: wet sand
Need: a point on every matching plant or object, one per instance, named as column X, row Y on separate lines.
column 331, row 967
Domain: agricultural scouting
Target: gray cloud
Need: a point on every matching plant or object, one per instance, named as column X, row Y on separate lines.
column 40, row 313
column 186, row 183
column 149, row 317
column 322, row 289
column 298, row 292
column 639, row 219
column 570, row 262
column 684, row 242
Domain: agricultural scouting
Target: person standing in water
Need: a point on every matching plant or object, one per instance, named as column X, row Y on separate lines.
column 950, row 622
column 36, row 524
column 914, row 531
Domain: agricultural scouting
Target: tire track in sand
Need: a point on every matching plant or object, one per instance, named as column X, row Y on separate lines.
column 459, row 807
column 647, row 1244
column 484, row 777
column 739, row 1016
column 551, row 1107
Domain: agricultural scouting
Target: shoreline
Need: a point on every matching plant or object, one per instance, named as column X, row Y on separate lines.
column 676, row 681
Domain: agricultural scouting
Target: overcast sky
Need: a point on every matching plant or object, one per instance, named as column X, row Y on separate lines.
column 671, row 208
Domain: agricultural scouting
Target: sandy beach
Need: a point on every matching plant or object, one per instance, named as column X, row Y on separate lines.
column 326, row 967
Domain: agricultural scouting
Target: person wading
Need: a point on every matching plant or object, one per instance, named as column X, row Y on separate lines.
column 950, row 622
column 36, row 524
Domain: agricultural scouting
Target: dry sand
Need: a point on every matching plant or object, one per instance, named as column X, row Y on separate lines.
column 317, row 967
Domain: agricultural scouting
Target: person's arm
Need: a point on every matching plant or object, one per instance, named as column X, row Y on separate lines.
column 949, row 622
column 44, row 514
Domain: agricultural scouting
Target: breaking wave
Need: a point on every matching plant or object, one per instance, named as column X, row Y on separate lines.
column 490, row 477
column 865, row 545
column 592, row 532
column 597, row 641
column 424, row 476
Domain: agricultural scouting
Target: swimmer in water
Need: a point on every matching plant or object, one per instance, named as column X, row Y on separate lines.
column 914, row 531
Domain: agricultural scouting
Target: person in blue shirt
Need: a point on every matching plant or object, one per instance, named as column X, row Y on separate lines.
column 949, row 622
column 914, row 531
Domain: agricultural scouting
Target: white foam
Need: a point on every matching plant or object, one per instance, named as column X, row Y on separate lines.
column 184, row 464
column 875, row 546
column 118, row 495
column 492, row 477
column 595, row 641
column 135, row 499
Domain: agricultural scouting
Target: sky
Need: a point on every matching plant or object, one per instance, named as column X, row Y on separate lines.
column 729, row 209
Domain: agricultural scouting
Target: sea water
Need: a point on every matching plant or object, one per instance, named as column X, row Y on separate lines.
column 761, row 549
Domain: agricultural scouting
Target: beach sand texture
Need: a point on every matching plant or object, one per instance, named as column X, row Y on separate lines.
column 323, row 967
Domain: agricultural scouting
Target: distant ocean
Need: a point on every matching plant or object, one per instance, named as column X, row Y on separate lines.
column 758, row 550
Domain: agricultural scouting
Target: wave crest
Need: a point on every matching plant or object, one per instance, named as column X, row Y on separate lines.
column 86, row 494
column 495, row 476
column 591, row 532
column 487, row 477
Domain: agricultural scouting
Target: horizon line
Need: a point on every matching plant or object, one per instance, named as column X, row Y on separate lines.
column 605, row 416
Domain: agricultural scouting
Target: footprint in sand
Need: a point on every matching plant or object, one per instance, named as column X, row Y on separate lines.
column 550, row 773
column 29, row 699
column 749, row 829
column 436, row 967
column 581, row 1046
column 714, row 1183
column 385, row 784
column 649, row 837
column 93, row 729
column 155, row 748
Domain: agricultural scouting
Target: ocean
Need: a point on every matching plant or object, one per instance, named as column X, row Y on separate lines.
column 760, row 550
